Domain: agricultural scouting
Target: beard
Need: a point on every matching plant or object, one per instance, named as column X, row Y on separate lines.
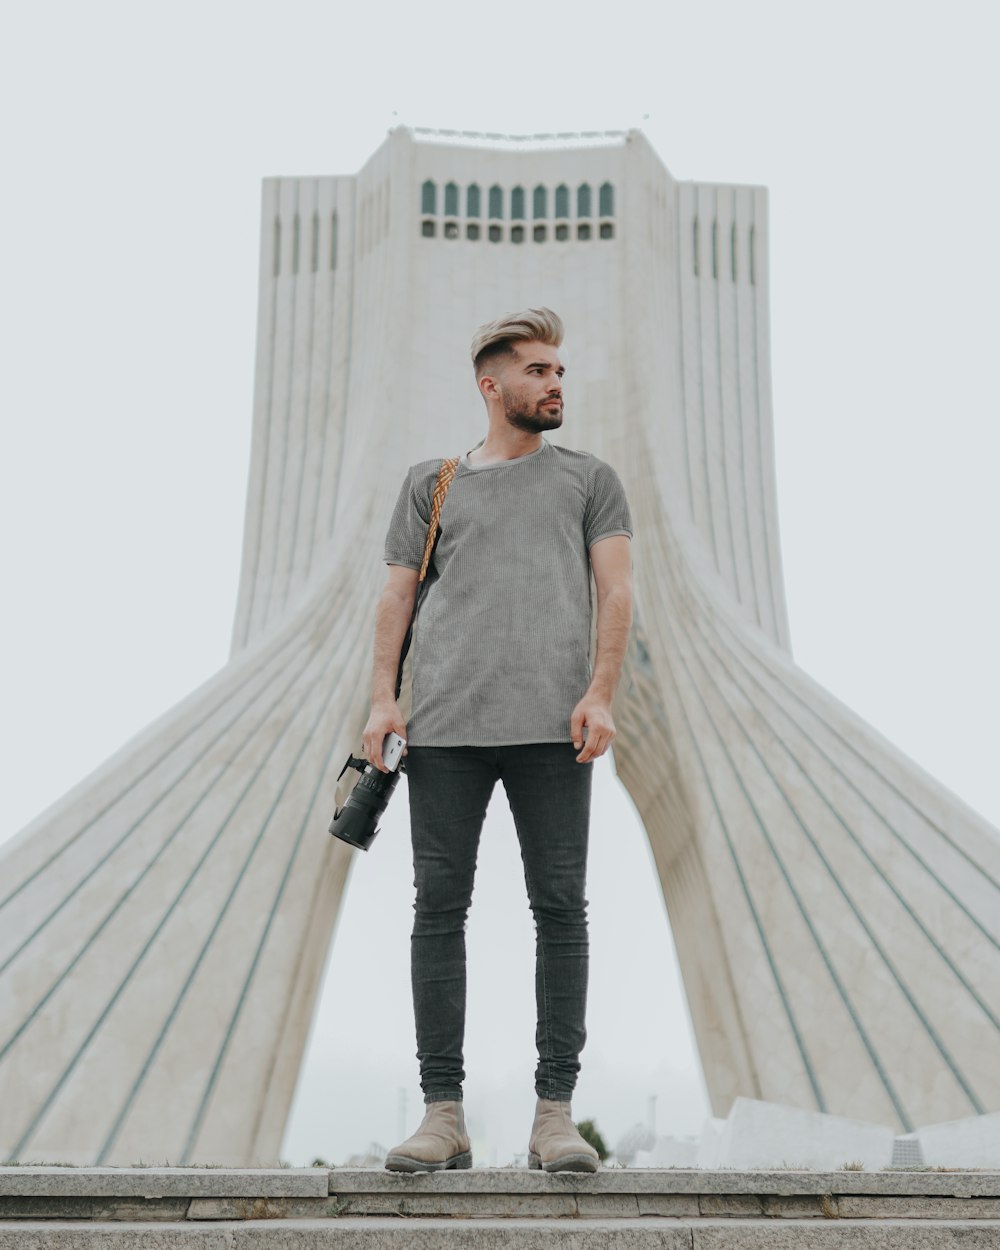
column 532, row 418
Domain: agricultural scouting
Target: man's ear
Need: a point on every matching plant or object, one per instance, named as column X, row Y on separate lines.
column 488, row 386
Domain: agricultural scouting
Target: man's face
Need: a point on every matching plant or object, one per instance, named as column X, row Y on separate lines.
column 530, row 387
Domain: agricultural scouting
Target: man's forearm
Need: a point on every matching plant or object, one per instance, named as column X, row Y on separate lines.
column 392, row 616
column 614, row 621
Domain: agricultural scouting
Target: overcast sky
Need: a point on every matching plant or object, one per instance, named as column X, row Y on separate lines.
column 136, row 139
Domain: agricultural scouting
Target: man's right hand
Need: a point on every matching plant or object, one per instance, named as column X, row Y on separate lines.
column 385, row 718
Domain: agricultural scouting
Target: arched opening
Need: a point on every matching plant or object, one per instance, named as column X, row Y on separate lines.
column 640, row 1044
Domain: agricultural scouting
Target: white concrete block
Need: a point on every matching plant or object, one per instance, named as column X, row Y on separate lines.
column 766, row 1134
column 970, row 1143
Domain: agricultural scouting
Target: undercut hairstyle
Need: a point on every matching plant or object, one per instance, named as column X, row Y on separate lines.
column 499, row 338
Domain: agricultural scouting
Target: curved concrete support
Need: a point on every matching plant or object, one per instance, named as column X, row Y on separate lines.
column 164, row 926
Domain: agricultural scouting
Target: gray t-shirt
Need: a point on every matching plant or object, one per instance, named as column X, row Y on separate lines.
column 501, row 645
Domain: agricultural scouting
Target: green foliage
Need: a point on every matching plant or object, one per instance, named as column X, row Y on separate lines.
column 590, row 1133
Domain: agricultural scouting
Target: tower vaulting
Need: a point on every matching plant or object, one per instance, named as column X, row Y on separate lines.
column 836, row 912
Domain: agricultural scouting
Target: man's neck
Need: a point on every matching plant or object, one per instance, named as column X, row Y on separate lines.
column 509, row 447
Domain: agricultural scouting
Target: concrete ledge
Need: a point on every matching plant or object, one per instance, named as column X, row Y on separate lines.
column 650, row 1233
column 347, row 1182
column 32, row 1182
column 198, row 1195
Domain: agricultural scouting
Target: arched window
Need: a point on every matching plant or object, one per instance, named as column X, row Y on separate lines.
column 607, row 200
column 562, row 232
column 583, row 204
column 496, row 201
column 540, row 203
column 451, row 229
column 540, row 234
column 451, row 200
column 472, row 198
column 496, row 234
column 333, row 241
column 517, row 204
column 427, row 229
column 517, row 234
column 428, row 197
column 562, row 200
column 583, row 230
column 472, row 230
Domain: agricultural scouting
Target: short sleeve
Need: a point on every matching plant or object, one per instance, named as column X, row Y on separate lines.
column 407, row 534
column 607, row 508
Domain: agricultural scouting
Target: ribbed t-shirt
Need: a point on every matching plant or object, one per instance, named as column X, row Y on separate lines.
column 501, row 644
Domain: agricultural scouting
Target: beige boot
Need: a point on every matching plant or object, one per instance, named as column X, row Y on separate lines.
column 440, row 1142
column 555, row 1145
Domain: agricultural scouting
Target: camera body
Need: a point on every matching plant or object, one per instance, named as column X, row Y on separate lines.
column 357, row 821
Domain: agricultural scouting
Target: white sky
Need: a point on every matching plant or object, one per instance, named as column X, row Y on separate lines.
column 136, row 139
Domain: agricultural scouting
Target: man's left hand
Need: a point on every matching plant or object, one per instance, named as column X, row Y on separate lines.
column 595, row 713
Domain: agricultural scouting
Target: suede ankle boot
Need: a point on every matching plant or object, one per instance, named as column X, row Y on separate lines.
column 555, row 1145
column 440, row 1142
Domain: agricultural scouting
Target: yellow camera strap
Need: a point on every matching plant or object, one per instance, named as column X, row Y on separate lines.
column 445, row 477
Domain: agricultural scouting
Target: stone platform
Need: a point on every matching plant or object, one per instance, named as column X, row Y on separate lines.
column 617, row 1209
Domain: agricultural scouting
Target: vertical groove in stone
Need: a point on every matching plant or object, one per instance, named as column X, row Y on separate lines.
column 262, row 404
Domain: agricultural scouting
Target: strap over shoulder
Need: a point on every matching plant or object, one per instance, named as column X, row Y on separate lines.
column 444, row 479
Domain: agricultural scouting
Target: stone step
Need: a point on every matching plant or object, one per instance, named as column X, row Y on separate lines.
column 119, row 1208
column 676, row 1192
column 382, row 1233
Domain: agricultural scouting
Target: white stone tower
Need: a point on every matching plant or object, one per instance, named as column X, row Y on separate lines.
column 163, row 927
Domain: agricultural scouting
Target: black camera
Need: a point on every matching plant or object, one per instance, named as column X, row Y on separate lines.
column 357, row 821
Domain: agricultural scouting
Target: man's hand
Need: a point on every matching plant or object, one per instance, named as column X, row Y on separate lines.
column 594, row 712
column 385, row 718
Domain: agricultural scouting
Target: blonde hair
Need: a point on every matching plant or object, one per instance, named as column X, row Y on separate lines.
column 497, row 338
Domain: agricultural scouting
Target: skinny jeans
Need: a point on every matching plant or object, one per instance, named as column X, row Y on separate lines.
column 549, row 796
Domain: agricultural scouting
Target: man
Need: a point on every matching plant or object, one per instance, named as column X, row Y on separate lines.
column 503, row 689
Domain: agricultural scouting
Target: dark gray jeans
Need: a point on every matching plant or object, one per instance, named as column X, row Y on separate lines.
column 549, row 796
